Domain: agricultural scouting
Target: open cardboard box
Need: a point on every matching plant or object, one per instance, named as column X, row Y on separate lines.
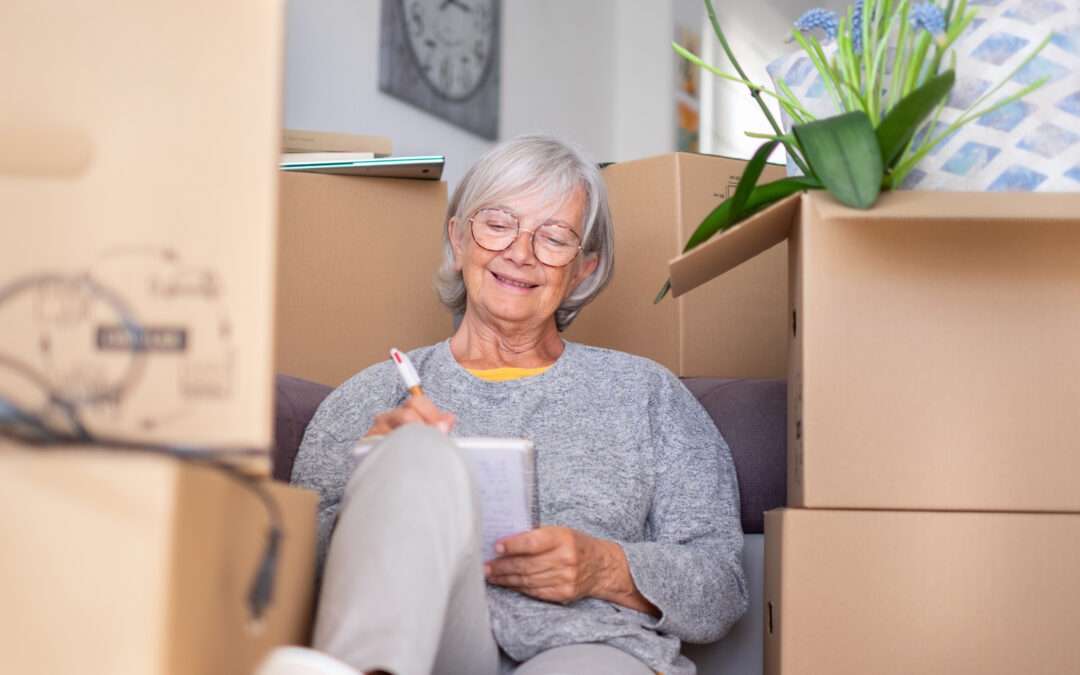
column 363, row 250
column 932, row 347
column 736, row 327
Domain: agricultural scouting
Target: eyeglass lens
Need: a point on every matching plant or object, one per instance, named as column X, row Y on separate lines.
column 496, row 230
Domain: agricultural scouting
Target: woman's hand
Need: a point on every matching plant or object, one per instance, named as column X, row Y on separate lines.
column 416, row 408
column 560, row 564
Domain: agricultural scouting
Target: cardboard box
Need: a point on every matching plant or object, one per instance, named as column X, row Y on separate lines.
column 934, row 593
column 138, row 152
column 933, row 343
column 736, row 327
column 356, row 269
column 122, row 564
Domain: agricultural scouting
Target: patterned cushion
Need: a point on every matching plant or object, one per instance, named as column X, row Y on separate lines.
column 1028, row 145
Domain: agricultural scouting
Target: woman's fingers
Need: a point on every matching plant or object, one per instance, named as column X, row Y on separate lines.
column 418, row 408
column 550, row 563
column 524, row 565
column 428, row 412
column 536, row 581
column 535, row 541
column 386, row 422
column 554, row 584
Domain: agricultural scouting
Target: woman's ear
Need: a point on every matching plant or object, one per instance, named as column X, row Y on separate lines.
column 587, row 267
column 453, row 234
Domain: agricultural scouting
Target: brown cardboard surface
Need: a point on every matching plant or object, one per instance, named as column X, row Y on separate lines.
column 740, row 244
column 303, row 140
column 140, row 144
column 356, row 267
column 734, row 329
column 933, row 348
column 856, row 592
column 139, row 565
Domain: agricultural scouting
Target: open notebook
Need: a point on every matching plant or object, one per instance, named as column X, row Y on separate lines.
column 503, row 472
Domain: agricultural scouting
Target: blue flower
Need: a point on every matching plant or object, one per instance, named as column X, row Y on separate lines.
column 819, row 18
column 856, row 27
column 929, row 17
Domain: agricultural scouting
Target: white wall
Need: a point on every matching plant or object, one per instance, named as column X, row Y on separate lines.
column 643, row 106
column 558, row 57
column 597, row 73
column 332, row 81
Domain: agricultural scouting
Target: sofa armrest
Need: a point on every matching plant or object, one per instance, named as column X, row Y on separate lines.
column 295, row 402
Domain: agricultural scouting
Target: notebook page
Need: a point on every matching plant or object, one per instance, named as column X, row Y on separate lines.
column 503, row 476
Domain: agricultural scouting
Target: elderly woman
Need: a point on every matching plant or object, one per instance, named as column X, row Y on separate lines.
column 640, row 541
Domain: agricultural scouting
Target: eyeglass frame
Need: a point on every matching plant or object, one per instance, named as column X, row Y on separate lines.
column 532, row 235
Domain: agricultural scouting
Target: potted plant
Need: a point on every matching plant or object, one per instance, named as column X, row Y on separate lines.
column 889, row 73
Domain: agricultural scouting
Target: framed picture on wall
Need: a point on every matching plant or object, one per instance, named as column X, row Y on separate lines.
column 443, row 57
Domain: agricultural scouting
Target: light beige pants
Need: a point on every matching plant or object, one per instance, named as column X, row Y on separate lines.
column 403, row 589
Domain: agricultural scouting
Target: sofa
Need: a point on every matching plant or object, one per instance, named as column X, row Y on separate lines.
column 751, row 415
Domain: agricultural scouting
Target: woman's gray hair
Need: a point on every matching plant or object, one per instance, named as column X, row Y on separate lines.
column 529, row 165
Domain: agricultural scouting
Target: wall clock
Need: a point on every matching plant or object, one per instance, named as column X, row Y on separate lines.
column 443, row 56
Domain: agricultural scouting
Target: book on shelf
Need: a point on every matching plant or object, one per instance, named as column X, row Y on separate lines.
column 324, row 157
column 426, row 167
column 503, row 473
column 302, row 140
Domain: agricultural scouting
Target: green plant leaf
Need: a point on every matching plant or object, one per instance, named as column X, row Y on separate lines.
column 759, row 197
column 749, row 179
column 721, row 218
column 843, row 152
column 898, row 127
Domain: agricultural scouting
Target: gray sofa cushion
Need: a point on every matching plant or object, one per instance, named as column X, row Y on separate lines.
column 751, row 414
column 295, row 402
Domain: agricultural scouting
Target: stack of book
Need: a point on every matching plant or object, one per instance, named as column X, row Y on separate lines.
column 353, row 154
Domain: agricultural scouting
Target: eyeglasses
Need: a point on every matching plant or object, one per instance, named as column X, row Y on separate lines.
column 496, row 230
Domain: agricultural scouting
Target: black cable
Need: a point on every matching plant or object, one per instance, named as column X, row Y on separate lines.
column 125, row 316
column 261, row 592
column 29, row 429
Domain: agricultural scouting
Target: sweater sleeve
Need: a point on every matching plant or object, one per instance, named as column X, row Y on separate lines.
column 324, row 460
column 690, row 564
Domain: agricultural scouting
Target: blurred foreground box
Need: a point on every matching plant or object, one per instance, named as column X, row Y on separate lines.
column 139, row 145
column 122, row 564
column 734, row 328
column 933, row 593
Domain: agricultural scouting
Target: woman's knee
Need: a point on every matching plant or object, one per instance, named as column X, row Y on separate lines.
column 596, row 659
column 417, row 458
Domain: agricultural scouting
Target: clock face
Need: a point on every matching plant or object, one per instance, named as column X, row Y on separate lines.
column 452, row 42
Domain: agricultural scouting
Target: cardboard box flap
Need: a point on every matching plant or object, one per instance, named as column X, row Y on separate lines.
column 953, row 206
column 726, row 250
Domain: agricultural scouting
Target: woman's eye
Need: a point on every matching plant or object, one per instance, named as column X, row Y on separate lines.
column 555, row 242
column 497, row 226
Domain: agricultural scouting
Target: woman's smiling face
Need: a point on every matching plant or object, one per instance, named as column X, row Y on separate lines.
column 512, row 286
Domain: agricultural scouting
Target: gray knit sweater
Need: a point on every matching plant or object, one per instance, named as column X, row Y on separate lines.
column 624, row 452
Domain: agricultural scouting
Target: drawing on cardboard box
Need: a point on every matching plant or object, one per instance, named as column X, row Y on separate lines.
column 136, row 338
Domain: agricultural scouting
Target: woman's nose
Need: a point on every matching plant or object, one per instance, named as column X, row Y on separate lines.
column 521, row 249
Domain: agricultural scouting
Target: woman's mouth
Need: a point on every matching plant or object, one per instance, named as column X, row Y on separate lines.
column 512, row 283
